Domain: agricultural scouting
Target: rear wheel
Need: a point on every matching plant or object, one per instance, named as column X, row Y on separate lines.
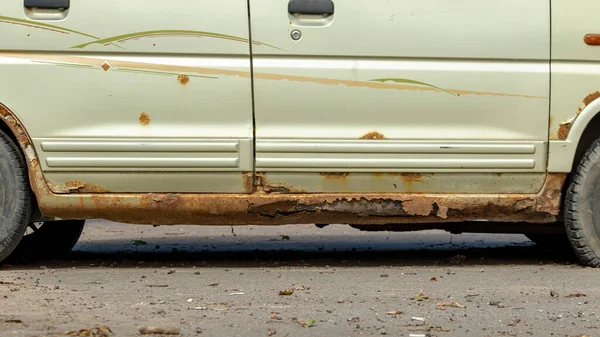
column 582, row 208
column 15, row 196
column 49, row 239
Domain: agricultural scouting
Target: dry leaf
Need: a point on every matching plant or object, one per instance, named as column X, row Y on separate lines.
column 433, row 279
column 156, row 330
column 450, row 304
column 100, row 331
column 286, row 292
column 576, row 295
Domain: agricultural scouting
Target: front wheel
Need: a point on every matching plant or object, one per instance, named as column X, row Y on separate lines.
column 582, row 208
column 49, row 239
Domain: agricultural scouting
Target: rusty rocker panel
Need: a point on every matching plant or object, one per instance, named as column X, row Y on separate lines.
column 261, row 207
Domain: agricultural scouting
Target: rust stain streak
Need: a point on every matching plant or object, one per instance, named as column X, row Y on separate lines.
column 183, row 79
column 248, row 181
column 373, row 135
column 246, row 74
column 144, row 118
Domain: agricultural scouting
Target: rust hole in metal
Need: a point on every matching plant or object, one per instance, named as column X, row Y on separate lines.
column 563, row 130
column 592, row 39
column 183, row 79
column 373, row 135
column 144, row 118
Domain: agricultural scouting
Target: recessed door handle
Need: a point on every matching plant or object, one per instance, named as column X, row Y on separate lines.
column 47, row 4
column 311, row 7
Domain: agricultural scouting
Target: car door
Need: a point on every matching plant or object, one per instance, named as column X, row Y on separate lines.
column 401, row 96
column 132, row 96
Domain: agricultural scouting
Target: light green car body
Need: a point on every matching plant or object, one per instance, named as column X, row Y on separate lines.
column 204, row 99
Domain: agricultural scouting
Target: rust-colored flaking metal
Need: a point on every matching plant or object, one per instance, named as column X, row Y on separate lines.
column 334, row 175
column 562, row 131
column 280, row 207
column 144, row 118
column 248, row 181
column 373, row 135
column 76, row 186
column 183, row 79
column 262, row 184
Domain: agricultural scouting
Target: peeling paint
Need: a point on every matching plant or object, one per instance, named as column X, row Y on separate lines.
column 373, row 135
column 590, row 98
column 76, row 186
column 248, row 181
column 262, row 184
column 144, row 118
column 183, row 79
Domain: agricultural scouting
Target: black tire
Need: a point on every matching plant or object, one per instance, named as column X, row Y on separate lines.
column 15, row 196
column 51, row 239
column 550, row 241
column 582, row 208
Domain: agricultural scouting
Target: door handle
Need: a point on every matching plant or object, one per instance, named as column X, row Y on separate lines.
column 311, row 7
column 47, row 4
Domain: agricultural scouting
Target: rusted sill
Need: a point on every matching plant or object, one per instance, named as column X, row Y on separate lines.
column 263, row 208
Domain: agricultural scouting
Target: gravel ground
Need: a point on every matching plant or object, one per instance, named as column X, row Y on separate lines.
column 335, row 281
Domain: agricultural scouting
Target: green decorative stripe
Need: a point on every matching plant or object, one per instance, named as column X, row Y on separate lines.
column 162, row 73
column 62, row 64
column 161, row 32
column 175, row 33
column 404, row 80
column 44, row 25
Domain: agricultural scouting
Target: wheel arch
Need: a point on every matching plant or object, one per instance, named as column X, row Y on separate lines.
column 11, row 124
column 581, row 131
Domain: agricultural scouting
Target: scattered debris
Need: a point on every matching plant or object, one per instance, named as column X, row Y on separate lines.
column 354, row 319
column 286, row 292
column 155, row 330
column 450, row 304
column 138, row 243
column 420, row 297
column 307, row 324
column 271, row 332
column 430, row 329
column 99, row 331
column 213, row 284
column 301, row 287
column 200, row 308
column 433, row 279
column 13, row 321
column 285, row 238
column 395, row 312
column 384, row 275
column 237, row 293
column 275, row 316
column 553, row 293
column 157, row 285
column 417, row 319
column 514, row 322
column 575, row 295
column 190, row 300
column 172, row 271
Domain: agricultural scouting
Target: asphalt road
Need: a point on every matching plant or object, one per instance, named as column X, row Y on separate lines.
column 219, row 281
